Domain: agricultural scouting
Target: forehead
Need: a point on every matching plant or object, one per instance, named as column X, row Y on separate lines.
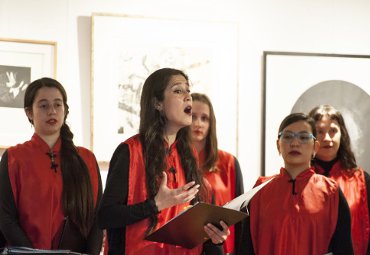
column 46, row 93
column 177, row 79
column 200, row 107
column 299, row 126
column 326, row 121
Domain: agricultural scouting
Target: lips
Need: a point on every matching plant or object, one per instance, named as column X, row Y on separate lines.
column 294, row 153
column 197, row 132
column 52, row 121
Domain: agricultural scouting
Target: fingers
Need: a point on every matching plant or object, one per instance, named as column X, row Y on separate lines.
column 187, row 195
column 217, row 236
column 164, row 180
column 188, row 185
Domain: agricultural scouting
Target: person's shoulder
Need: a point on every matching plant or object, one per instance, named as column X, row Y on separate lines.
column 20, row 147
column 325, row 182
column 263, row 179
column 85, row 153
column 132, row 140
column 223, row 155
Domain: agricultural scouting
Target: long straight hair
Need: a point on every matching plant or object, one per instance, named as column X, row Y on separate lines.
column 77, row 194
column 211, row 149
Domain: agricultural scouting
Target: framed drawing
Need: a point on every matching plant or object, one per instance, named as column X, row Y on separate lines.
column 21, row 61
column 126, row 49
column 297, row 82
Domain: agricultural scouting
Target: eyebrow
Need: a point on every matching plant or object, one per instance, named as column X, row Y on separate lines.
column 54, row 100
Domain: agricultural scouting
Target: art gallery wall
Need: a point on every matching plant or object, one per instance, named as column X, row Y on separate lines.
column 302, row 26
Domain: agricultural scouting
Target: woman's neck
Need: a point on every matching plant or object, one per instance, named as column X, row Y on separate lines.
column 50, row 139
column 326, row 165
column 199, row 146
column 294, row 171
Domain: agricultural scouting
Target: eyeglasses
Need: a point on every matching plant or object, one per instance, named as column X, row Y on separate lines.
column 303, row 137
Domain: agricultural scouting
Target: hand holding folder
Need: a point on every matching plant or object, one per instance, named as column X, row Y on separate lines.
column 186, row 229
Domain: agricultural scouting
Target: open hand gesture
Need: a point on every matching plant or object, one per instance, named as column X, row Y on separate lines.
column 167, row 197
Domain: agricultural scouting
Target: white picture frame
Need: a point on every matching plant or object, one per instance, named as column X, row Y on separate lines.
column 126, row 49
column 21, row 61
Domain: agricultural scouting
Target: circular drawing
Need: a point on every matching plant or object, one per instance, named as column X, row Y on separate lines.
column 354, row 104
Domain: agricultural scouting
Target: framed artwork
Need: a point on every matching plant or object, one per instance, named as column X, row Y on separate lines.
column 297, row 82
column 127, row 49
column 21, row 61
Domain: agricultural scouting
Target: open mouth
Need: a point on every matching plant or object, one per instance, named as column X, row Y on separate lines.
column 51, row 122
column 188, row 110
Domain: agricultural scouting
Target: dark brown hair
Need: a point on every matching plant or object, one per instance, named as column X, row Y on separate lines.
column 295, row 117
column 344, row 154
column 152, row 124
column 211, row 148
column 77, row 194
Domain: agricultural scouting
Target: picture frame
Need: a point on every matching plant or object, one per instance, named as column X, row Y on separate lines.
column 127, row 49
column 21, row 61
column 299, row 81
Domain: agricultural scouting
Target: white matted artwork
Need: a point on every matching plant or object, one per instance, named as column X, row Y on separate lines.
column 126, row 50
column 297, row 82
column 21, row 61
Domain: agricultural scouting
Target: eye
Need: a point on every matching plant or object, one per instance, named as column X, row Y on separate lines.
column 178, row 91
column 204, row 119
column 304, row 137
column 288, row 135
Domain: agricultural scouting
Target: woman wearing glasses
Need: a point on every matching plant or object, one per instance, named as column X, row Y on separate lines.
column 299, row 211
column 336, row 160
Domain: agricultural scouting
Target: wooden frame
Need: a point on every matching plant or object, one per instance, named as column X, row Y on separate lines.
column 297, row 82
column 21, row 61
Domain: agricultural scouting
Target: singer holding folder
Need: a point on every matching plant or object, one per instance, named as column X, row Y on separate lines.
column 220, row 168
column 299, row 211
column 154, row 176
column 49, row 188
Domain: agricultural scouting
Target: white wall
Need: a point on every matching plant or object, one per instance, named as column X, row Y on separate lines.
column 331, row 26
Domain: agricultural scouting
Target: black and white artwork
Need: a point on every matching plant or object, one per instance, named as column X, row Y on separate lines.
column 354, row 104
column 13, row 83
column 21, row 62
column 138, row 46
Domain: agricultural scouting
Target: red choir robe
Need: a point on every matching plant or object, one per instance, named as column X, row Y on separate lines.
column 37, row 189
column 223, row 182
column 352, row 183
column 137, row 192
column 294, row 217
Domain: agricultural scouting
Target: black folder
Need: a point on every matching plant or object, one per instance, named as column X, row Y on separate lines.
column 186, row 229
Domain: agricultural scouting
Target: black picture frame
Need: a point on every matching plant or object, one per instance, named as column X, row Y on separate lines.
column 298, row 81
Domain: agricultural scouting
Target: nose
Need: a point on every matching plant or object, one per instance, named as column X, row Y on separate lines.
column 52, row 109
column 188, row 96
column 196, row 122
column 326, row 137
column 295, row 141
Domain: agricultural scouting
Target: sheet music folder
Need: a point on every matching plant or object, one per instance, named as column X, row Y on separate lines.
column 186, row 229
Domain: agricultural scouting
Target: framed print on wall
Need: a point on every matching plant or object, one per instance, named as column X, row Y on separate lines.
column 297, row 82
column 127, row 49
column 21, row 61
